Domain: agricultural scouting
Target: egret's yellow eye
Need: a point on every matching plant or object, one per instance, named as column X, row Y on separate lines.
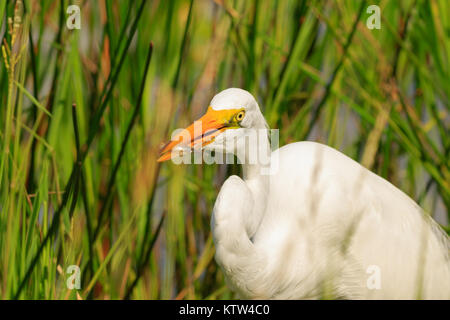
column 240, row 116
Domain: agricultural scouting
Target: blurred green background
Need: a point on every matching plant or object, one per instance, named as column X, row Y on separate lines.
column 81, row 186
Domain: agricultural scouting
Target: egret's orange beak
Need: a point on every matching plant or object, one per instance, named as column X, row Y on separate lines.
column 201, row 132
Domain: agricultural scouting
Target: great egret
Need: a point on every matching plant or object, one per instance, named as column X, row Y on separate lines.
column 317, row 225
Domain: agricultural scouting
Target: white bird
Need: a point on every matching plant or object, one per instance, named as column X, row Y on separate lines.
column 317, row 224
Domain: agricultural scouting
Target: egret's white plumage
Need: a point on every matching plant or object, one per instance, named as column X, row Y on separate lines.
column 320, row 225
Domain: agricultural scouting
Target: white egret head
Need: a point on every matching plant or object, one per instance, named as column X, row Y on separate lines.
column 233, row 115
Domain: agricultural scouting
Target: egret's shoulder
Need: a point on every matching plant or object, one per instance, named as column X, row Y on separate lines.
column 302, row 161
column 308, row 152
column 305, row 148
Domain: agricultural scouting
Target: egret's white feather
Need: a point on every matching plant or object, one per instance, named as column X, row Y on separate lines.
column 319, row 224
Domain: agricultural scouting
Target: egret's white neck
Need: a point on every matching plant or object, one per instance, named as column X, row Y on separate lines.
column 255, row 164
column 256, row 160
